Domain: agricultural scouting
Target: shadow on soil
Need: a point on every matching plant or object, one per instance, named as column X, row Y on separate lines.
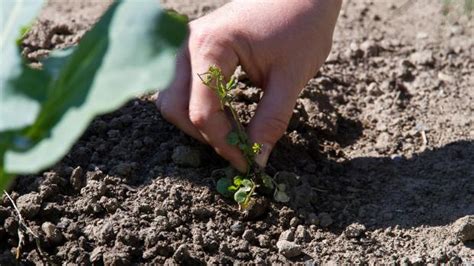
column 435, row 187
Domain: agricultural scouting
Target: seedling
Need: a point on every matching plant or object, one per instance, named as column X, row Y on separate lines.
column 241, row 188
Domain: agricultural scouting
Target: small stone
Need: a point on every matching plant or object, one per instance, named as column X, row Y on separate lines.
column 186, row 156
column 445, row 77
column 325, row 219
column 237, row 228
column 249, row 235
column 288, row 249
column 29, row 204
column 423, row 58
column 263, row 241
column 383, row 141
column 53, row 235
column 294, row 222
column 354, row 230
column 181, row 255
column 416, row 260
column 288, row 235
column 463, row 228
column 77, row 178
column 301, row 234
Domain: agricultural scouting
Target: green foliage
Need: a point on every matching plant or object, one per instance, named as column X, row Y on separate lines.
column 43, row 112
column 242, row 187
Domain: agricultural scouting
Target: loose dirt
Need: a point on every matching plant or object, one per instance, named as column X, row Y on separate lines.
column 379, row 157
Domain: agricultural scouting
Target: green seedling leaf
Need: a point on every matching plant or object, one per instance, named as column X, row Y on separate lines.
column 247, row 183
column 267, row 181
column 280, row 196
column 225, row 187
column 116, row 60
column 232, row 188
column 281, row 187
column 238, row 180
column 231, row 84
column 233, row 138
column 240, row 196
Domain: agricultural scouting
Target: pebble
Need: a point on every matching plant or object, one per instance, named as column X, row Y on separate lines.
column 186, row 156
column 301, row 234
column 382, row 141
column 325, row 219
column 288, row 249
column 463, row 228
column 354, row 230
column 181, row 255
column 53, row 235
column 423, row 58
column 77, row 178
column 294, row 222
column 288, row 235
column 237, row 227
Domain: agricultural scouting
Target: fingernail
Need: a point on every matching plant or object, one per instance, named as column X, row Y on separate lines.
column 262, row 158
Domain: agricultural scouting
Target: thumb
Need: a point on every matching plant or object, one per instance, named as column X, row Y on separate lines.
column 273, row 114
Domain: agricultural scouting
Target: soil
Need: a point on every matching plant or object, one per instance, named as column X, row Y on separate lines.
column 379, row 158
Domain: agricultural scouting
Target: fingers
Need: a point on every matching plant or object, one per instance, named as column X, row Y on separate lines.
column 205, row 111
column 273, row 114
column 173, row 103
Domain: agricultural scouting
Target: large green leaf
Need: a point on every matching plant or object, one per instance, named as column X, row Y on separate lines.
column 130, row 51
column 15, row 14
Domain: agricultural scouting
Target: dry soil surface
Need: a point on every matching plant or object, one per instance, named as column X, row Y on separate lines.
column 379, row 158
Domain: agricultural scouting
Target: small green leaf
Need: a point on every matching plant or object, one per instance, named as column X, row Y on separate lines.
column 231, row 84
column 240, row 196
column 280, row 196
column 223, row 186
column 232, row 188
column 238, row 180
column 233, row 138
column 267, row 181
column 247, row 183
column 281, row 187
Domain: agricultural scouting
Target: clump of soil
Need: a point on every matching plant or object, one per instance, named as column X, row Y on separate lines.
column 378, row 158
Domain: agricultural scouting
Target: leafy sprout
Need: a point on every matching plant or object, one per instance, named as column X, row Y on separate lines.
column 241, row 188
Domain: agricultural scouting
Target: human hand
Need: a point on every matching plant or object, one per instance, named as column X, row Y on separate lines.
column 279, row 44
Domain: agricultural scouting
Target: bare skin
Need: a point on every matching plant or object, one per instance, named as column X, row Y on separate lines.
column 280, row 44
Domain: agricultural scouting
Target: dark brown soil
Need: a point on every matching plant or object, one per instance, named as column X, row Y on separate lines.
column 379, row 157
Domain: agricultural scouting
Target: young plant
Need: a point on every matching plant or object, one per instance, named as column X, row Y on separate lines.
column 241, row 188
